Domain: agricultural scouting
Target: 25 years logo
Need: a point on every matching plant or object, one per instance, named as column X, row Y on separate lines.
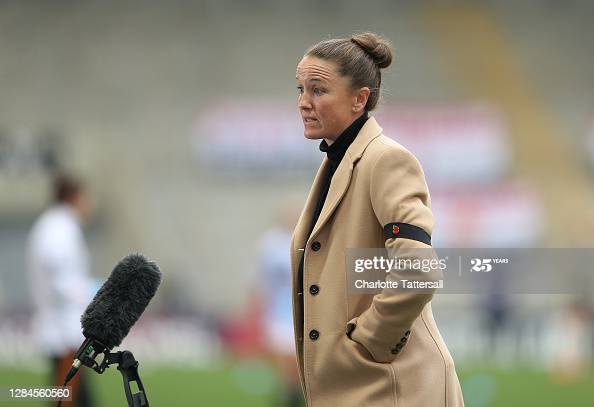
column 485, row 265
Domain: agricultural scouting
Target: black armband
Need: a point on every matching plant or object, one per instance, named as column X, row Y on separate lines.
column 406, row 231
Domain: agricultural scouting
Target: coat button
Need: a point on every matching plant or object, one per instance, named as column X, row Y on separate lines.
column 314, row 335
column 407, row 333
column 314, row 289
column 315, row 246
column 395, row 351
column 403, row 339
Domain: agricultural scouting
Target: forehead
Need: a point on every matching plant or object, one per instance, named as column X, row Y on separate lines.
column 312, row 68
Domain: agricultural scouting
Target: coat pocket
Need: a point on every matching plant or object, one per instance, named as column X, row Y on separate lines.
column 347, row 375
column 362, row 350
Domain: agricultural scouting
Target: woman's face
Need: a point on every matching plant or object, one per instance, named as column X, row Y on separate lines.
column 327, row 103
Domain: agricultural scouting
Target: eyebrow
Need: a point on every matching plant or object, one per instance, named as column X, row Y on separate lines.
column 313, row 79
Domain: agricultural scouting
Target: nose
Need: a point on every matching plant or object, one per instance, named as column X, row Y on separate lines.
column 304, row 102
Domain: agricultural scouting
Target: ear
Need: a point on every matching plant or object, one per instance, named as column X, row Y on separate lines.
column 361, row 97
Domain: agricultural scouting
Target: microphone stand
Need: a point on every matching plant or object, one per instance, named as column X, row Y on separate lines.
column 127, row 365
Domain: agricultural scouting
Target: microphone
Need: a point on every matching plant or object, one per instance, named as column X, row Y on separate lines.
column 115, row 308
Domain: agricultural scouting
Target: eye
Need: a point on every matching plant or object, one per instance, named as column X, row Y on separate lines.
column 318, row 91
column 300, row 89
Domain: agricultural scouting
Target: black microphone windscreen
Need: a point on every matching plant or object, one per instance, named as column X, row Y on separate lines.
column 121, row 300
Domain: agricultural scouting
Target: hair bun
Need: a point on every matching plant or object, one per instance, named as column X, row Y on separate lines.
column 376, row 47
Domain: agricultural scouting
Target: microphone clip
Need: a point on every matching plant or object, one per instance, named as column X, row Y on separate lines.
column 98, row 357
column 88, row 353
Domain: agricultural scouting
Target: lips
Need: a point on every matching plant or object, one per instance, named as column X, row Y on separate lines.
column 309, row 120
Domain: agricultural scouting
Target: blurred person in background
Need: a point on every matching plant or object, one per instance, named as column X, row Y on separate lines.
column 370, row 192
column 572, row 325
column 275, row 281
column 61, row 288
column 496, row 317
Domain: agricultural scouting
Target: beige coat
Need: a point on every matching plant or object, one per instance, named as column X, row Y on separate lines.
column 395, row 355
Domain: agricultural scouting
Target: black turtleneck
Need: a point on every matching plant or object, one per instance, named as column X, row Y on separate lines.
column 335, row 152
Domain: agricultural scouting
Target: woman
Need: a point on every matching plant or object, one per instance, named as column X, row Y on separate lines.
column 361, row 350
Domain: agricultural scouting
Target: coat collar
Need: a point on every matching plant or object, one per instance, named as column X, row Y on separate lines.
column 369, row 131
column 338, row 186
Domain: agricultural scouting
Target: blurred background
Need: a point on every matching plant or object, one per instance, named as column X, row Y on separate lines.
column 181, row 119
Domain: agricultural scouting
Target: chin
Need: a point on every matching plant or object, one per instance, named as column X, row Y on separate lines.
column 312, row 135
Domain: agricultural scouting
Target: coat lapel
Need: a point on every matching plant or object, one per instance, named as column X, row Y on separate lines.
column 301, row 229
column 338, row 186
column 342, row 176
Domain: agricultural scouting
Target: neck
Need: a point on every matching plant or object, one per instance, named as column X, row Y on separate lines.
column 73, row 209
column 329, row 141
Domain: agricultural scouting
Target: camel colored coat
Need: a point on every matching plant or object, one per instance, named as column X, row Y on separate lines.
column 356, row 350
